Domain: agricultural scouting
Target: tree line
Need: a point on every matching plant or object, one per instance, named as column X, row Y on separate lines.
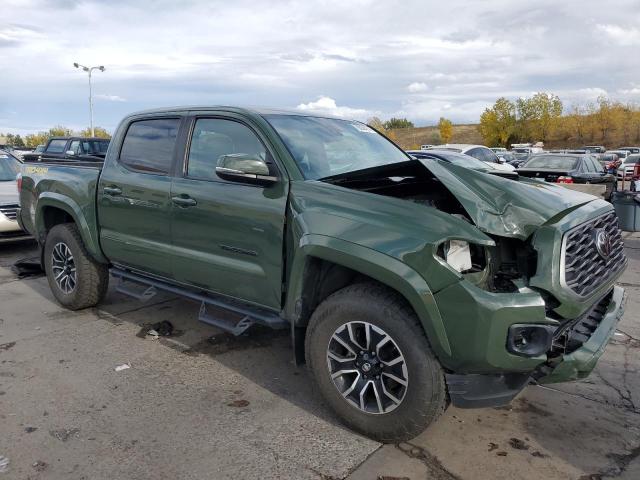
column 445, row 128
column 32, row 140
column 542, row 118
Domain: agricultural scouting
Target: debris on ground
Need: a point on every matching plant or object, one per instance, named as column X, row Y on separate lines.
column 28, row 267
column 64, row 434
column 238, row 403
column 160, row 329
column 30, row 429
column 7, row 346
column 501, row 454
column 4, row 464
column 518, row 444
column 387, row 477
column 39, row 466
column 492, row 446
column 124, row 366
column 538, row 454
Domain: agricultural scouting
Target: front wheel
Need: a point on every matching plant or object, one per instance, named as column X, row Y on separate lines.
column 373, row 364
column 75, row 278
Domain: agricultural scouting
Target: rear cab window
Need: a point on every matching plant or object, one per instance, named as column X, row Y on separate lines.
column 56, row 146
column 149, row 145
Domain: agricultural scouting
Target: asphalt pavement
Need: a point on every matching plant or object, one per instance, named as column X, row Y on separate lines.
column 201, row 404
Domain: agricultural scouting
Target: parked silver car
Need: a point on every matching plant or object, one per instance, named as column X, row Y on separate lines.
column 9, row 228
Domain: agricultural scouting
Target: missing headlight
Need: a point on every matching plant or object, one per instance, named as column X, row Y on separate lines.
column 462, row 256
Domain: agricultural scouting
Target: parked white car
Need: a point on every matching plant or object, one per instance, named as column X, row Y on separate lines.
column 480, row 152
column 627, row 167
column 9, row 228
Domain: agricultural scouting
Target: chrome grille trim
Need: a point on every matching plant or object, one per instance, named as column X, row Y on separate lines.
column 9, row 211
column 582, row 269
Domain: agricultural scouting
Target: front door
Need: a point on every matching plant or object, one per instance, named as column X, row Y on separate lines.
column 228, row 236
column 134, row 202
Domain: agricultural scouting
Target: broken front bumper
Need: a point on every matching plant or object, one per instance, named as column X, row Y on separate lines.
column 490, row 390
column 579, row 363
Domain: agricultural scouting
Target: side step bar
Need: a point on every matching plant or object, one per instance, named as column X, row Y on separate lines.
column 143, row 288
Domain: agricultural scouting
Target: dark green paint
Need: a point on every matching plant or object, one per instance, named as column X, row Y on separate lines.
column 254, row 243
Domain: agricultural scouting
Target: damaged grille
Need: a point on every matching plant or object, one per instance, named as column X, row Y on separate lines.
column 574, row 333
column 585, row 266
column 9, row 211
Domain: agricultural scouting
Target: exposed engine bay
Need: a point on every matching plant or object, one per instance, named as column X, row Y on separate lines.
column 506, row 267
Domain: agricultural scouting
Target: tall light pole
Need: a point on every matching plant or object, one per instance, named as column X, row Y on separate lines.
column 89, row 70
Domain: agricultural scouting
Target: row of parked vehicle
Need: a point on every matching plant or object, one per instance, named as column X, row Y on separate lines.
column 621, row 162
column 580, row 166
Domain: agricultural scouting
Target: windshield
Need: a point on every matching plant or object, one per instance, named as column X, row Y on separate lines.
column 9, row 167
column 632, row 159
column 461, row 159
column 323, row 147
column 552, row 162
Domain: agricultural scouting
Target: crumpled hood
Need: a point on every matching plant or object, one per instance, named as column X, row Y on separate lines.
column 506, row 207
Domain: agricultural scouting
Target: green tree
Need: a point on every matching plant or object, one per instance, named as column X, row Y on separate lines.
column 32, row 140
column 525, row 117
column 17, row 141
column 546, row 110
column 394, row 123
column 498, row 123
column 445, row 127
column 60, row 131
column 98, row 132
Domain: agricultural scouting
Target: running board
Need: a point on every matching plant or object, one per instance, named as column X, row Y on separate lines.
column 143, row 288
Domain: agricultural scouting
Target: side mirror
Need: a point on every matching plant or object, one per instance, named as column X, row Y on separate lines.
column 244, row 168
column 70, row 152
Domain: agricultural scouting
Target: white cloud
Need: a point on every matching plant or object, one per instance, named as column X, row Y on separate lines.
column 625, row 36
column 328, row 106
column 360, row 53
column 584, row 94
column 634, row 90
column 417, row 87
column 110, row 98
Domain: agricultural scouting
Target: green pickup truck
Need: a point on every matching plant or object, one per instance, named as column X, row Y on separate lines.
column 407, row 284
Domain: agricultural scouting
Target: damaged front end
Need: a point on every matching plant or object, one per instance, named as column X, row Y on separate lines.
column 518, row 312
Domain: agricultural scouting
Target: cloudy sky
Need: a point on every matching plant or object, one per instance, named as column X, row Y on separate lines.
column 355, row 58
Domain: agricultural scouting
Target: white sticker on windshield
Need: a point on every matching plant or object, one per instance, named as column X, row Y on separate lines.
column 361, row 127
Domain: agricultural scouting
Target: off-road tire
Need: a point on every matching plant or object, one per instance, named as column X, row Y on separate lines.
column 92, row 277
column 425, row 398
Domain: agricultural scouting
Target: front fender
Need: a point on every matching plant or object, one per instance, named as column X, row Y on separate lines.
column 383, row 268
column 89, row 233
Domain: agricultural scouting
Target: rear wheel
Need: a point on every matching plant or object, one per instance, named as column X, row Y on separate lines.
column 75, row 278
column 373, row 364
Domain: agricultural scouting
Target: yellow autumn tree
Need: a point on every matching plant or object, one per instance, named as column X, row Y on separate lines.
column 446, row 129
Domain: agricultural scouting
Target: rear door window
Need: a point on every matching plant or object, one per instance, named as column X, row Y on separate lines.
column 149, row 145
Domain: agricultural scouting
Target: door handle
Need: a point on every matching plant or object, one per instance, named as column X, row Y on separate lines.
column 113, row 191
column 184, row 201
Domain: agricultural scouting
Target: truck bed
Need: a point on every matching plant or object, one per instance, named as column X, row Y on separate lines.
column 60, row 188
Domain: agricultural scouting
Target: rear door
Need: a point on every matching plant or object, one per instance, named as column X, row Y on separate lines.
column 134, row 203
column 228, row 236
